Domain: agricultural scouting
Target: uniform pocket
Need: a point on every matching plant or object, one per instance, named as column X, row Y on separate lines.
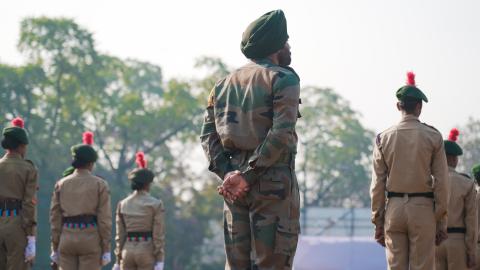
column 275, row 184
column 286, row 237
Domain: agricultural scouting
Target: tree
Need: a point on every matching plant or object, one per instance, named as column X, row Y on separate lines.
column 335, row 151
column 470, row 142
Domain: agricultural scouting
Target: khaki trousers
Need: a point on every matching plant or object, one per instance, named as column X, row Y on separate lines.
column 137, row 255
column 79, row 249
column 452, row 253
column 410, row 233
column 13, row 241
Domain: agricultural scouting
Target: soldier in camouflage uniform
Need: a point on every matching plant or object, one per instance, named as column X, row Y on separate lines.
column 249, row 138
column 18, row 187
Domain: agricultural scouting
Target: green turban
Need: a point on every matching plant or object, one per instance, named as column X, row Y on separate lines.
column 265, row 35
column 452, row 148
column 68, row 171
column 84, row 152
column 16, row 133
column 476, row 172
column 410, row 90
column 141, row 176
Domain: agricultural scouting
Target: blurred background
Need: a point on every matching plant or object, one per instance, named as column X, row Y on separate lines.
column 137, row 74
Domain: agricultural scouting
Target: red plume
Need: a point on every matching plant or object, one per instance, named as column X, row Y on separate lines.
column 411, row 78
column 140, row 160
column 88, row 137
column 453, row 136
column 18, row 122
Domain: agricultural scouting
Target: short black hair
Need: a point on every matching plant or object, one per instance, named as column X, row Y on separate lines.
column 408, row 104
column 79, row 163
column 10, row 143
column 138, row 186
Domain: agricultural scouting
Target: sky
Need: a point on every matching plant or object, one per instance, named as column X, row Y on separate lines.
column 360, row 48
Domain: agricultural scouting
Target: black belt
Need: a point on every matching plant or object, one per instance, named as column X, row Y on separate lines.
column 10, row 204
column 456, row 230
column 137, row 236
column 80, row 219
column 419, row 194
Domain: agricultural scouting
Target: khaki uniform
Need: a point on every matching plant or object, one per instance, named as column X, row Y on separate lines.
column 249, row 126
column 18, row 181
column 410, row 158
column 462, row 214
column 140, row 213
column 81, row 245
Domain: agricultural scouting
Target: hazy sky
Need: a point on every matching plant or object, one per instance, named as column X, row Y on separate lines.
column 362, row 49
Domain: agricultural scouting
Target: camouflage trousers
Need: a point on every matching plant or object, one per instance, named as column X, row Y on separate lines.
column 261, row 230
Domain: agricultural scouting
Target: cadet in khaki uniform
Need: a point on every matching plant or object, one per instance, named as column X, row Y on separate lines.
column 476, row 176
column 18, row 187
column 459, row 250
column 140, row 238
column 80, row 214
column 249, row 138
column 410, row 173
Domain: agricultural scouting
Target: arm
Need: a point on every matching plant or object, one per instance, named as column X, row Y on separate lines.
column 471, row 222
column 440, row 186
column 121, row 236
column 211, row 143
column 281, row 138
column 55, row 218
column 29, row 208
column 159, row 233
column 104, row 216
column 378, row 186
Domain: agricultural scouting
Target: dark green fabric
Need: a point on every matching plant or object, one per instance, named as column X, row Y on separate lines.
column 17, row 133
column 476, row 172
column 141, row 176
column 411, row 91
column 68, row 171
column 452, row 148
column 265, row 35
column 84, row 152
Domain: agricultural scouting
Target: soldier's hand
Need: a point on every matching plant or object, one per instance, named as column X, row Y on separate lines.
column 471, row 261
column 440, row 237
column 380, row 235
column 234, row 186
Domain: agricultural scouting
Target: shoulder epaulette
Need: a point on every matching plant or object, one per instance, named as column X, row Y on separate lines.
column 466, row 175
column 432, row 127
column 30, row 162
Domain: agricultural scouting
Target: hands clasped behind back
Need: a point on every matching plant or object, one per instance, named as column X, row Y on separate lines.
column 234, row 186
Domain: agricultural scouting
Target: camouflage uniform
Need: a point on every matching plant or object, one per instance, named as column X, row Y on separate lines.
column 250, row 126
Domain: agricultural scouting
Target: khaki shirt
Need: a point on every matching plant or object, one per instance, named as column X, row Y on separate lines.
column 141, row 212
column 81, row 193
column 462, row 208
column 409, row 158
column 18, row 180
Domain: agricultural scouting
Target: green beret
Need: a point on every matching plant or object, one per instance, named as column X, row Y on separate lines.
column 452, row 148
column 141, row 176
column 84, row 152
column 68, row 171
column 265, row 35
column 17, row 133
column 410, row 91
column 476, row 172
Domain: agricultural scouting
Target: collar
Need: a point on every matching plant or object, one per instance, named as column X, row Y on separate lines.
column 263, row 61
column 451, row 169
column 13, row 155
column 140, row 192
column 82, row 172
column 409, row 117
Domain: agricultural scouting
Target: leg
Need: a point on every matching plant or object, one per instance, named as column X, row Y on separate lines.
column 457, row 252
column 145, row 259
column 89, row 251
column 128, row 256
column 89, row 261
column 441, row 256
column 15, row 243
column 67, row 251
column 396, row 237
column 421, row 232
column 275, row 216
column 237, row 235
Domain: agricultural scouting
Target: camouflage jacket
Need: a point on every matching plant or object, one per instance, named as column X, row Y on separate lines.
column 252, row 113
